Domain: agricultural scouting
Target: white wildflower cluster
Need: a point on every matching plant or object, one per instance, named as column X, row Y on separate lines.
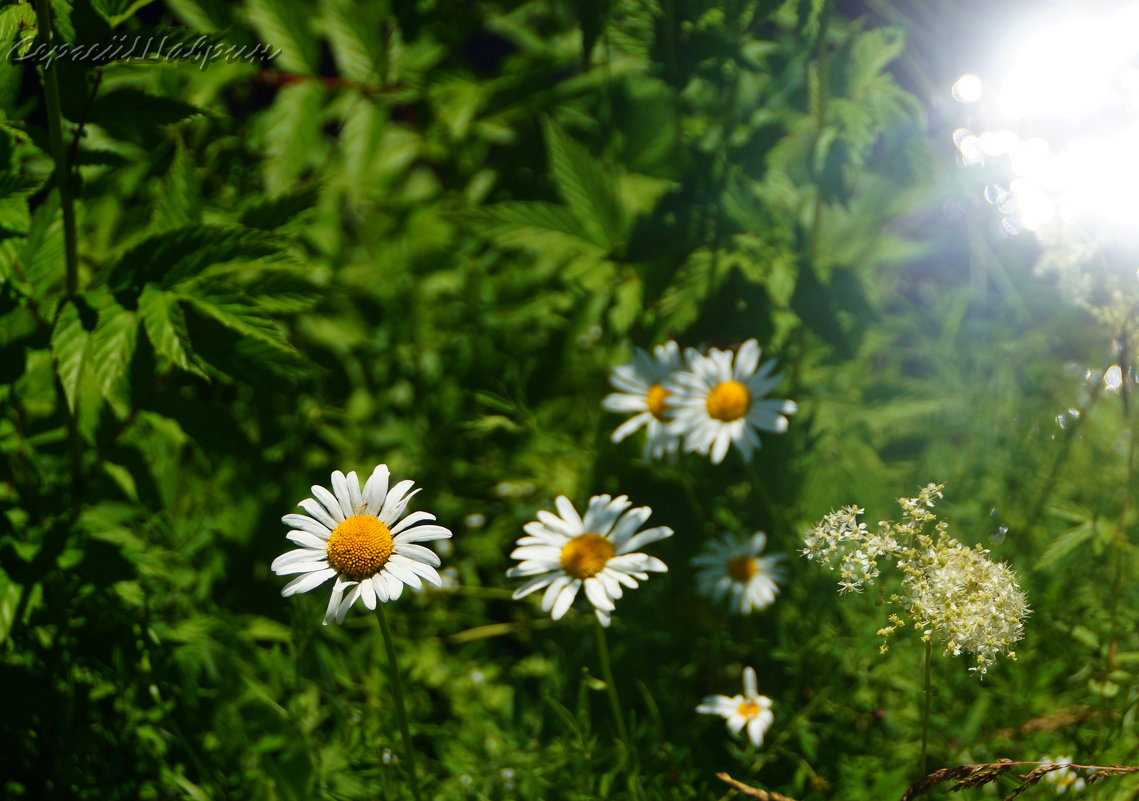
column 840, row 542
column 709, row 402
column 950, row 591
column 972, row 603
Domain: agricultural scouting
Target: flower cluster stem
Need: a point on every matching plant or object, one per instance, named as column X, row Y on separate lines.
column 928, row 692
column 401, row 710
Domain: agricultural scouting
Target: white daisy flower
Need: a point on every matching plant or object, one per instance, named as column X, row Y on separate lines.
column 641, row 382
column 566, row 553
column 732, row 568
column 750, row 709
column 718, row 401
column 358, row 537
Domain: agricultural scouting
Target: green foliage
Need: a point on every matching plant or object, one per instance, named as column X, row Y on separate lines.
column 423, row 235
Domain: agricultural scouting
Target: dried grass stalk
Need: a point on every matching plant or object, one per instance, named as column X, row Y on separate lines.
column 752, row 792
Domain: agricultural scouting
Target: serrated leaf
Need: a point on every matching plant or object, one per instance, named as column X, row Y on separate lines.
column 532, row 224
column 271, row 214
column 178, row 255
column 292, row 134
column 136, row 115
column 238, row 313
column 280, row 291
column 178, row 204
column 353, row 58
column 166, row 327
column 590, row 194
column 113, row 346
column 41, row 258
column 71, row 347
column 282, row 25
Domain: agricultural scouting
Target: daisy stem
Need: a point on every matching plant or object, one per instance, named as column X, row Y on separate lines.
column 614, row 701
column 401, row 710
column 928, row 690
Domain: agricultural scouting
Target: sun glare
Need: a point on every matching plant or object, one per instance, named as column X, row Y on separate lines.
column 1062, row 117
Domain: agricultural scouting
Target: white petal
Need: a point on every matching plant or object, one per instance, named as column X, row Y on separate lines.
column 418, row 553
column 423, row 534
column 720, row 446
column 404, row 574
column 340, row 487
column 602, row 617
column 328, row 500
column 620, row 402
column 426, row 572
column 542, row 552
column 565, row 599
column 543, row 534
column 380, row 587
column 317, row 510
column 396, row 501
column 308, row 540
column 293, row 557
column 629, row 426
column 306, row 523
column 354, row 496
column 334, row 600
column 644, row 538
column 346, row 604
column 395, row 586
column 747, row 357
column 595, row 592
column 569, row 515
column 625, row 527
column 310, row 566
column 368, row 594
column 307, row 582
column 375, row 490
column 533, row 584
column 557, row 525
column 411, row 520
column 751, row 687
column 553, row 591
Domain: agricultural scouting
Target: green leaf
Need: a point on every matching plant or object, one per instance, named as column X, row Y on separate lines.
column 71, row 345
column 530, row 224
column 587, row 190
column 283, row 24
column 166, row 327
column 178, row 255
column 136, row 115
column 113, row 346
column 271, row 214
column 342, row 27
column 238, row 313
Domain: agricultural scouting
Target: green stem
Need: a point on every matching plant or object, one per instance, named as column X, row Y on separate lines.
column 55, row 137
column 928, row 690
column 401, row 710
column 615, row 702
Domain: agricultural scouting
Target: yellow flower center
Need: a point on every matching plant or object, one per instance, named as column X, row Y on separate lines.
column 656, row 400
column 359, row 547
column 742, row 568
column 586, row 554
column 728, row 401
column 748, row 709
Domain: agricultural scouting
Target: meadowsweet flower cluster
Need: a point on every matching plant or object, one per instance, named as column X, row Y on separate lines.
column 951, row 592
column 709, row 402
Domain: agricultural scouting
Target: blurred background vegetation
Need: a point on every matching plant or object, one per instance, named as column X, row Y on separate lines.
column 423, row 235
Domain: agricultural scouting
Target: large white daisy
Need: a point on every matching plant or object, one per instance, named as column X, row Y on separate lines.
column 732, row 568
column 719, row 400
column 359, row 538
column 641, row 382
column 564, row 553
column 750, row 709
